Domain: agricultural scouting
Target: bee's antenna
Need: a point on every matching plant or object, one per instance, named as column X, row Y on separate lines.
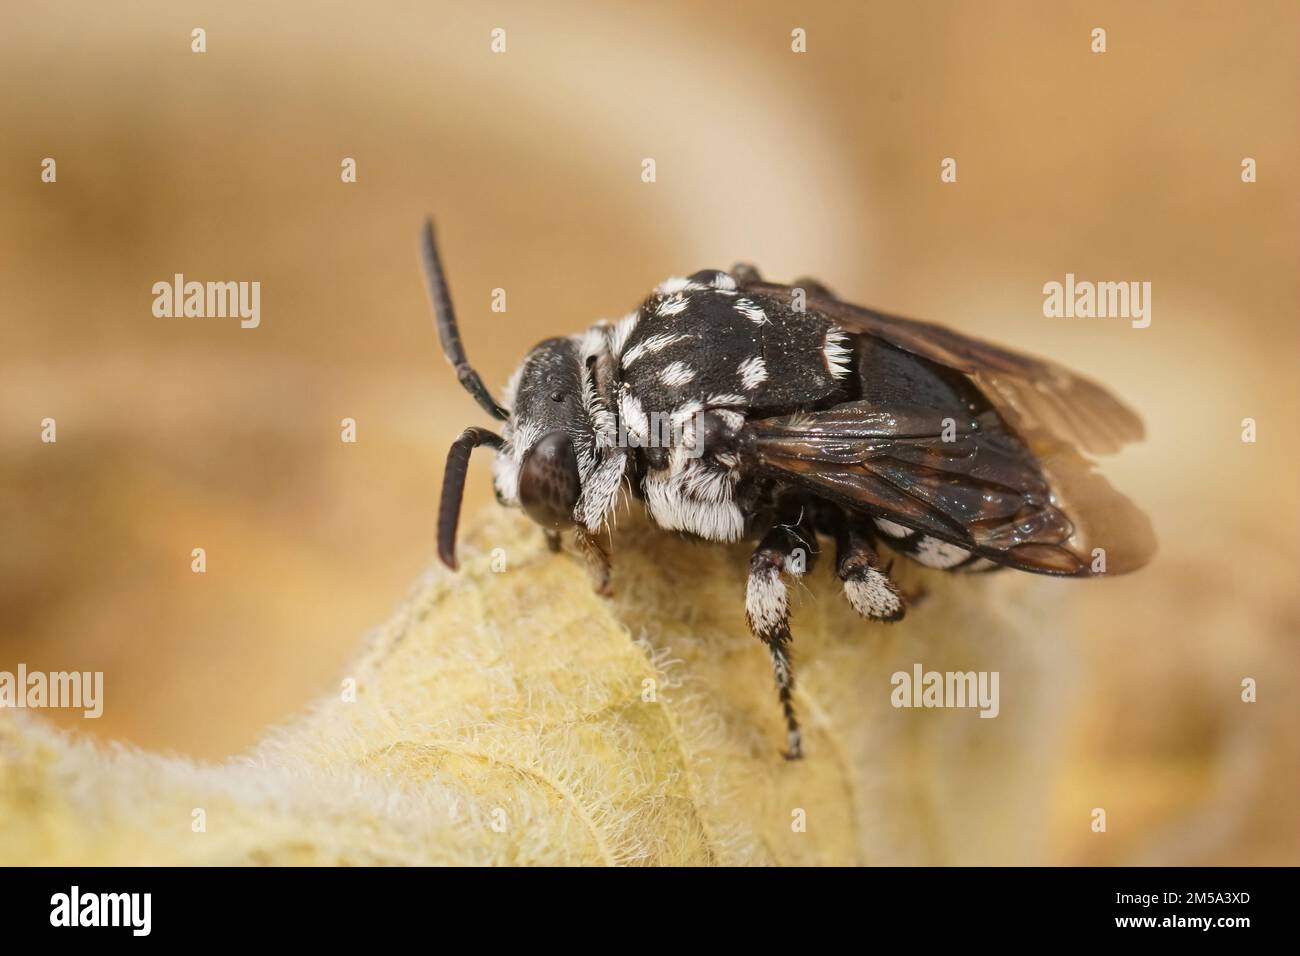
column 445, row 320
column 453, row 487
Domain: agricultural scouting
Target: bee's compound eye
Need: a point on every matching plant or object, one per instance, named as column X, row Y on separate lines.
column 549, row 485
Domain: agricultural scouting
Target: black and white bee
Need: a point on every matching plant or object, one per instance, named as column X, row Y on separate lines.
column 791, row 414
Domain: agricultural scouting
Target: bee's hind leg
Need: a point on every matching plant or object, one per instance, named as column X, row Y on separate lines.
column 785, row 549
column 866, row 585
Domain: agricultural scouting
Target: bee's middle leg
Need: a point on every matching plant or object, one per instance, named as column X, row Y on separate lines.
column 866, row 585
column 785, row 549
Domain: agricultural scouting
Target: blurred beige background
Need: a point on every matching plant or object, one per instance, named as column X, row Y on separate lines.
column 183, row 433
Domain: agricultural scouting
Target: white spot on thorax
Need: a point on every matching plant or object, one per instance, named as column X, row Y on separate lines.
column 678, row 284
column 753, row 372
column 677, row 373
column 652, row 344
column 673, row 305
column 750, row 311
column 837, row 354
column 622, row 331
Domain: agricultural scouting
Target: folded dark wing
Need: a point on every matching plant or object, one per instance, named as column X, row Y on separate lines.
column 965, row 480
column 1034, row 395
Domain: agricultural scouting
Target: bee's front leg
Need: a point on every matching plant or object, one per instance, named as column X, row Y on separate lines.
column 785, row 549
column 597, row 557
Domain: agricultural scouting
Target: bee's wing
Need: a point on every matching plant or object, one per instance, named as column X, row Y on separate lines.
column 973, row 484
column 1039, row 399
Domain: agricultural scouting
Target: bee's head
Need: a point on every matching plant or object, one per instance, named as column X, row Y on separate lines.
column 550, row 436
column 553, row 416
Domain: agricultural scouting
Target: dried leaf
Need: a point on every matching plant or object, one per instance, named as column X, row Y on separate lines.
column 514, row 717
